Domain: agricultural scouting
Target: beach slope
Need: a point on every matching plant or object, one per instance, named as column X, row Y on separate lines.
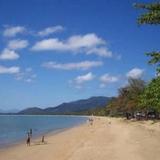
column 106, row 139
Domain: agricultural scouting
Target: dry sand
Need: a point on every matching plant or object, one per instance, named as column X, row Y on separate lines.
column 106, row 139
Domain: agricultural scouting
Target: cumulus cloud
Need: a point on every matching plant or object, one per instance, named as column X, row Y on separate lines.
column 89, row 44
column 50, row 30
column 106, row 79
column 73, row 43
column 11, row 31
column 84, row 65
column 84, row 78
column 26, row 75
column 17, row 44
column 9, row 70
column 8, row 54
column 101, row 51
column 49, row 44
column 80, row 80
column 135, row 73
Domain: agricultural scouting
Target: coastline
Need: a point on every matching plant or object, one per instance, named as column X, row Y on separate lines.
column 47, row 133
column 106, row 139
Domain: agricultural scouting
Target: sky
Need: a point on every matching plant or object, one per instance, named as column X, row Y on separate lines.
column 54, row 51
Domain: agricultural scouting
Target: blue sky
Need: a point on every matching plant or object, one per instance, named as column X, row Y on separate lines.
column 54, row 51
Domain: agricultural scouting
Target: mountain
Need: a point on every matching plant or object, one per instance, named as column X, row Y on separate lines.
column 78, row 106
column 9, row 111
column 33, row 110
column 74, row 107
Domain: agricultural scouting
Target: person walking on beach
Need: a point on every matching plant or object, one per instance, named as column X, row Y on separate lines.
column 91, row 121
column 28, row 139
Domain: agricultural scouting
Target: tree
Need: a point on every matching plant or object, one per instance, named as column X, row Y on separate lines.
column 155, row 59
column 150, row 98
column 128, row 97
column 151, row 16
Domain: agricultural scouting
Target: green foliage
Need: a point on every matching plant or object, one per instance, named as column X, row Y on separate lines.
column 128, row 98
column 155, row 59
column 152, row 14
column 136, row 96
column 98, row 111
column 150, row 99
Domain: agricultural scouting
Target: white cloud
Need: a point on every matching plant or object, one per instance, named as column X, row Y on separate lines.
column 101, row 51
column 89, row 44
column 106, row 79
column 89, row 40
column 17, row 44
column 8, row 54
column 26, row 75
column 84, row 65
column 9, row 70
column 11, row 31
column 84, row 78
column 50, row 30
column 49, row 44
column 135, row 73
column 79, row 81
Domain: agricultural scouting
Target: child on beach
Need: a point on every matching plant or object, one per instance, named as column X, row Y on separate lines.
column 42, row 139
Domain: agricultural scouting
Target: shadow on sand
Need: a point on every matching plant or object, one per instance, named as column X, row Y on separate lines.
column 39, row 143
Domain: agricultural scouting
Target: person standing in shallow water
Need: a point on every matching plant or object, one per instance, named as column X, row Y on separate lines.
column 30, row 132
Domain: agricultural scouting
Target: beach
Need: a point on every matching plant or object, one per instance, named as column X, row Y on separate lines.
column 106, row 139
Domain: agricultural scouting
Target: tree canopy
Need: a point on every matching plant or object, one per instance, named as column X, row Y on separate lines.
column 155, row 59
column 128, row 97
column 151, row 16
column 137, row 95
column 150, row 98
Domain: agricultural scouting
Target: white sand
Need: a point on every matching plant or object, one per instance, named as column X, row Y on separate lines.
column 120, row 140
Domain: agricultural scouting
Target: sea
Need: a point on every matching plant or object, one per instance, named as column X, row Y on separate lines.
column 14, row 128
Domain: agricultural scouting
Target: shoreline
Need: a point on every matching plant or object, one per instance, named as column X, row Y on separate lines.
column 47, row 134
column 107, row 139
